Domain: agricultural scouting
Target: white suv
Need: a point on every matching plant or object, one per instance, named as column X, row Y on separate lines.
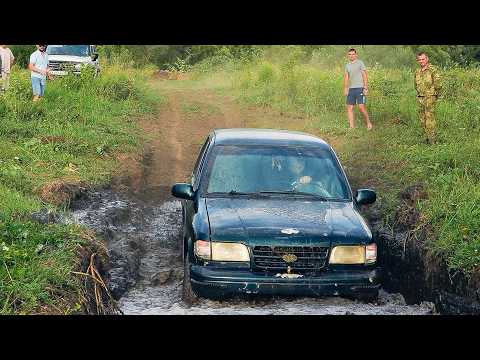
column 65, row 58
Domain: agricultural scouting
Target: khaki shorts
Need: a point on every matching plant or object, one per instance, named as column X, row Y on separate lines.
column 5, row 80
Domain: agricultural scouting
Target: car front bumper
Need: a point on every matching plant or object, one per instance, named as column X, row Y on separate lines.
column 217, row 283
column 63, row 72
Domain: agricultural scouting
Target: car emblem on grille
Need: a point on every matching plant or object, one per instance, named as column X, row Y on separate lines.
column 289, row 231
column 289, row 258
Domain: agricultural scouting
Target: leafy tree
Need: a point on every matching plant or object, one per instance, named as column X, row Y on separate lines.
column 448, row 55
column 200, row 52
column 465, row 54
column 163, row 55
column 22, row 53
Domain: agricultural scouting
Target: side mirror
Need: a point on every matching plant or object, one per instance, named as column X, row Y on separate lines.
column 94, row 56
column 183, row 191
column 365, row 196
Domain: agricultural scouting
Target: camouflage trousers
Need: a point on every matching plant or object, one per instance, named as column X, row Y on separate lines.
column 426, row 110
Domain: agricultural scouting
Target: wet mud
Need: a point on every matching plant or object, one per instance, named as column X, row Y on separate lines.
column 146, row 273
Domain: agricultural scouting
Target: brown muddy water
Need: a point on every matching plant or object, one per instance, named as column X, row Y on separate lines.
column 143, row 231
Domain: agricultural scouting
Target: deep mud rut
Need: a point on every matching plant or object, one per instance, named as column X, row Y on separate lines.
column 141, row 222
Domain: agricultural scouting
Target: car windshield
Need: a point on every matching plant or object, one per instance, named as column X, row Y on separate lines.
column 74, row 50
column 270, row 170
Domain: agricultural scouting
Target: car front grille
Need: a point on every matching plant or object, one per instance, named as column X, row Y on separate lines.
column 307, row 257
column 60, row 65
column 55, row 65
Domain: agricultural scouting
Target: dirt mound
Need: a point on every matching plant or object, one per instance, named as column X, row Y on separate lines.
column 60, row 192
column 413, row 193
column 407, row 216
column 169, row 75
column 53, row 139
column 161, row 75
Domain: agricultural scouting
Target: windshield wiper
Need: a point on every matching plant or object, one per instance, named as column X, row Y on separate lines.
column 295, row 192
column 234, row 192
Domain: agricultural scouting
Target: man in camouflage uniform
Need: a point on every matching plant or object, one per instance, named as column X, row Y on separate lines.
column 428, row 86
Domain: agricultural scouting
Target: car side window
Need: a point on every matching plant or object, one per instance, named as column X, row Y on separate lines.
column 198, row 163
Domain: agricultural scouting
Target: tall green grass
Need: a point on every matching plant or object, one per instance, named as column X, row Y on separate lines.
column 71, row 136
column 394, row 155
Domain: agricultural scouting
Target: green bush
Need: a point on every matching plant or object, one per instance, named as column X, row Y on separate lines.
column 22, row 54
column 120, row 88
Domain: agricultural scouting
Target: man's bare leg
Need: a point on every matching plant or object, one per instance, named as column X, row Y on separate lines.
column 350, row 116
column 364, row 112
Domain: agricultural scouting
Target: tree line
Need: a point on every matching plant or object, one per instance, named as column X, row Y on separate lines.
column 164, row 55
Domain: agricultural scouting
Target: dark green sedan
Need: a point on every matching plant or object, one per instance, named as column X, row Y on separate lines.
column 272, row 212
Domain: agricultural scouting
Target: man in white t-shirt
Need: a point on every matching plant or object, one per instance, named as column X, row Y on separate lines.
column 38, row 66
column 7, row 61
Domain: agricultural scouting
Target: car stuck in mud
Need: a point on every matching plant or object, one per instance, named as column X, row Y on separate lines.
column 271, row 212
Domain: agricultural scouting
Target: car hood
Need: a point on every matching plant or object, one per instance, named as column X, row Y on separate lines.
column 70, row 58
column 261, row 221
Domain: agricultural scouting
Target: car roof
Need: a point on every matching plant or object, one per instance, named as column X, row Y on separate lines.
column 265, row 137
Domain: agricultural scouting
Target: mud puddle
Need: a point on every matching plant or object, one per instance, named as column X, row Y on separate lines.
column 143, row 235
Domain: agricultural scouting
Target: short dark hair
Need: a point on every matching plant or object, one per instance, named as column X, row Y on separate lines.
column 352, row 49
column 421, row 53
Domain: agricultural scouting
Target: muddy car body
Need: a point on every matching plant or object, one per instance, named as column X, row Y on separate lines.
column 247, row 228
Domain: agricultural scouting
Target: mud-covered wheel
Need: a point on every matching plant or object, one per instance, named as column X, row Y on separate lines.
column 188, row 295
column 370, row 297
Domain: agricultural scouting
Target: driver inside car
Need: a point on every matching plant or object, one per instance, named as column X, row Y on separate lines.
column 296, row 167
column 293, row 175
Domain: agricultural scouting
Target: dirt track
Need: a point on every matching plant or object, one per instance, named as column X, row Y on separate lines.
column 141, row 221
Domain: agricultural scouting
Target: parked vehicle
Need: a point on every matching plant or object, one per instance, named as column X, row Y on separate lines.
column 272, row 212
column 71, row 58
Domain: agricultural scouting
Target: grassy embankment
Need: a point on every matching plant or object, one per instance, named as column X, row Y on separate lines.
column 71, row 138
column 392, row 156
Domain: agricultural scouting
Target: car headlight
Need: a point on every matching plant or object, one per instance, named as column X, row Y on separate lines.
column 218, row 251
column 77, row 66
column 354, row 254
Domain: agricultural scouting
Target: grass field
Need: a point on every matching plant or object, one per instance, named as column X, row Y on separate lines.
column 392, row 156
column 70, row 138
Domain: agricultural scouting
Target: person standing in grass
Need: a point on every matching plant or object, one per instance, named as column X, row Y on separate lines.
column 7, row 60
column 39, row 70
column 428, row 86
column 356, row 87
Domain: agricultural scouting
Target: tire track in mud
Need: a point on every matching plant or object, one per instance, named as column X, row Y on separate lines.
column 141, row 222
